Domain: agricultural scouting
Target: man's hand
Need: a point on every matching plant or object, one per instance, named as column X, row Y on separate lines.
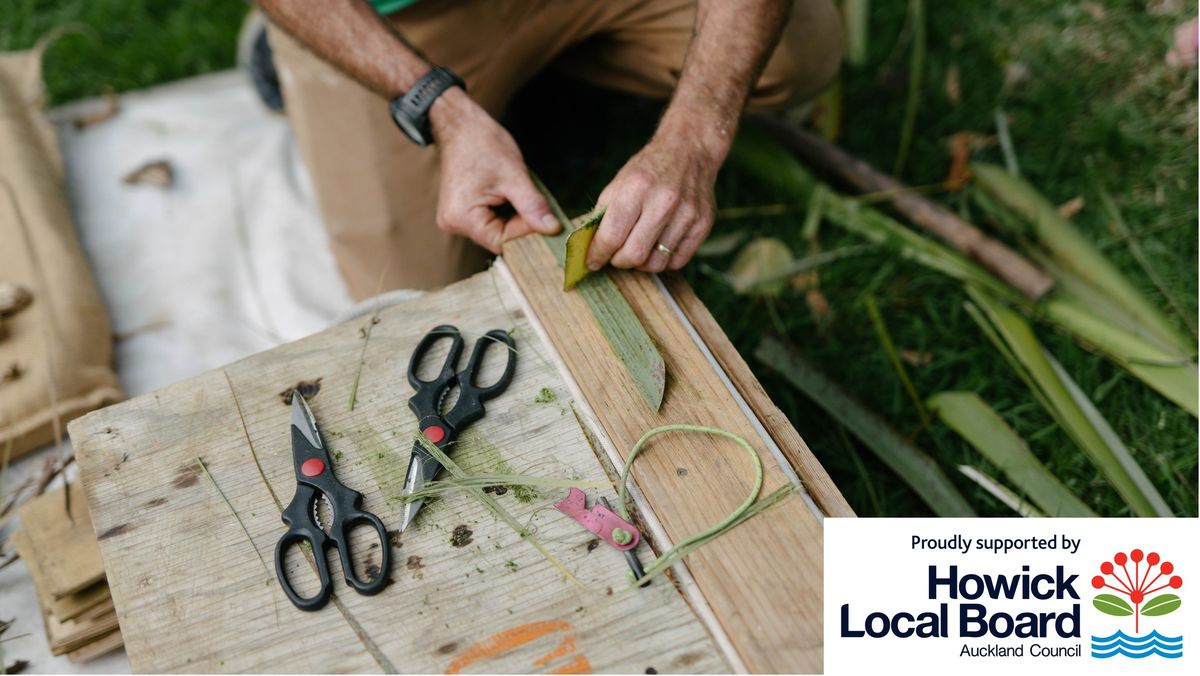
column 482, row 170
column 662, row 196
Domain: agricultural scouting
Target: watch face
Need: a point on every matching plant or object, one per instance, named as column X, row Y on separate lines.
column 410, row 130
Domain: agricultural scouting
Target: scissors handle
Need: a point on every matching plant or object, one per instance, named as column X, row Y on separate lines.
column 315, row 480
column 302, row 528
column 426, row 403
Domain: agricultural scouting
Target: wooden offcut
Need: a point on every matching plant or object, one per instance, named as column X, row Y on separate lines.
column 183, row 573
column 63, row 544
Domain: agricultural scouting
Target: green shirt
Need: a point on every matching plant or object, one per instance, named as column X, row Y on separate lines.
column 386, row 7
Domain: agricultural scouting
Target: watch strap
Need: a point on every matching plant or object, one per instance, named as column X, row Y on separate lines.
column 414, row 105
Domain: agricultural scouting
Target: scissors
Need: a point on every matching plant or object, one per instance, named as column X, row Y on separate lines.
column 442, row 429
column 315, row 482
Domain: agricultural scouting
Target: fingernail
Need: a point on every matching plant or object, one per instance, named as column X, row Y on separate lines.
column 550, row 222
column 593, row 266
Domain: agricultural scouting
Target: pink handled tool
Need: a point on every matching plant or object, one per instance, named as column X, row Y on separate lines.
column 600, row 520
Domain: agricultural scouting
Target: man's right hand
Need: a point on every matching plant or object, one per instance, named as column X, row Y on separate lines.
column 482, row 169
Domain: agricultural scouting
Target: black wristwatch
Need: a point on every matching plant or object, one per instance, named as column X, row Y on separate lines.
column 411, row 111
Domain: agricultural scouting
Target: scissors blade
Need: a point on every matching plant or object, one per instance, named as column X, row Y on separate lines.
column 303, row 420
column 422, row 468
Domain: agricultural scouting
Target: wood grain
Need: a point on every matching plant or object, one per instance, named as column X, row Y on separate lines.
column 811, row 473
column 763, row 579
column 185, row 577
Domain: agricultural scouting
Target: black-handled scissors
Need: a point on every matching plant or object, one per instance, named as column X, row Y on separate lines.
column 315, row 481
column 440, row 428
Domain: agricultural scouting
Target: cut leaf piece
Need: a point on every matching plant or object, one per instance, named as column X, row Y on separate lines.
column 619, row 323
column 721, row 245
column 1062, row 399
column 986, row 431
column 1074, row 251
column 1110, row 604
column 759, row 266
column 575, row 266
column 1000, row 492
column 912, row 464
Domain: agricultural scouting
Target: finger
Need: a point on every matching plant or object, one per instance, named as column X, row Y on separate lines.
column 691, row 242
column 485, row 229
column 517, row 227
column 529, row 203
column 638, row 246
column 619, row 218
column 681, row 222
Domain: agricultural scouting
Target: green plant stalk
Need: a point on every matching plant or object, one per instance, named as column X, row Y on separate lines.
column 916, row 80
column 913, row 465
column 1006, row 143
column 438, row 488
column 889, row 349
column 986, row 431
column 855, row 14
column 1125, row 476
column 797, row 266
column 362, row 358
column 497, row 511
column 1074, row 251
column 1000, row 492
column 236, row 516
column 619, row 323
column 1169, row 374
column 751, row 506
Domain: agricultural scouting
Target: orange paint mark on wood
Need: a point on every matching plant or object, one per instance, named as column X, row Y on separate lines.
column 567, row 646
column 579, row 665
column 505, row 641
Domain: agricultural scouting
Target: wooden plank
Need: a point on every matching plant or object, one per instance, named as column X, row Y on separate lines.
column 184, row 575
column 64, row 548
column 811, row 473
column 771, row 611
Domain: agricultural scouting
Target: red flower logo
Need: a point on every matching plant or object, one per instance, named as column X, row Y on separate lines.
column 1137, row 586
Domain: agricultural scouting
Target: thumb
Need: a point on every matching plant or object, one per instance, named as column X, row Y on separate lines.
column 531, row 206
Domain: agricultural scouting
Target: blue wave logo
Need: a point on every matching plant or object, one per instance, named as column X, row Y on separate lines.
column 1153, row 643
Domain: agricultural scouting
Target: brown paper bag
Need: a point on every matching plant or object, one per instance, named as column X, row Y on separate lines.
column 55, row 362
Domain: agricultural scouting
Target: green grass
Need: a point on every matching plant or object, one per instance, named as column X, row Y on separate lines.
column 1097, row 90
column 124, row 44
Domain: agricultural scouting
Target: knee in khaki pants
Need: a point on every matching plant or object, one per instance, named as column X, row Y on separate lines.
column 807, row 59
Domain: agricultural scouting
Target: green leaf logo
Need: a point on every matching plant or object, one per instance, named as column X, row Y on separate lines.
column 1113, row 605
column 1161, row 605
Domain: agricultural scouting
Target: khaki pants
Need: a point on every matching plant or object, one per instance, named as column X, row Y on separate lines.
column 378, row 192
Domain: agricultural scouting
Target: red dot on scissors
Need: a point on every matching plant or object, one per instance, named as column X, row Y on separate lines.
column 312, row 467
column 434, row 433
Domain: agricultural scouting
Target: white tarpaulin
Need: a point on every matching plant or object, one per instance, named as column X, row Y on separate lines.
column 228, row 261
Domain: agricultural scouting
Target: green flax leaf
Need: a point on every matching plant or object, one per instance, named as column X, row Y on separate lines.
column 619, row 323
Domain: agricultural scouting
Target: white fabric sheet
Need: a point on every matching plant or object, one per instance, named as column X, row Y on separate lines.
column 228, row 262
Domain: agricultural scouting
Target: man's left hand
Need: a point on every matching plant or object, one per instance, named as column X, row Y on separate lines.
column 662, row 197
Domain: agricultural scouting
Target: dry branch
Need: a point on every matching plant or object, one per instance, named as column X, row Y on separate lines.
column 966, row 238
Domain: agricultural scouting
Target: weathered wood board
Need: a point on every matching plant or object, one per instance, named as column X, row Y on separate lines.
column 191, row 591
column 762, row 580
